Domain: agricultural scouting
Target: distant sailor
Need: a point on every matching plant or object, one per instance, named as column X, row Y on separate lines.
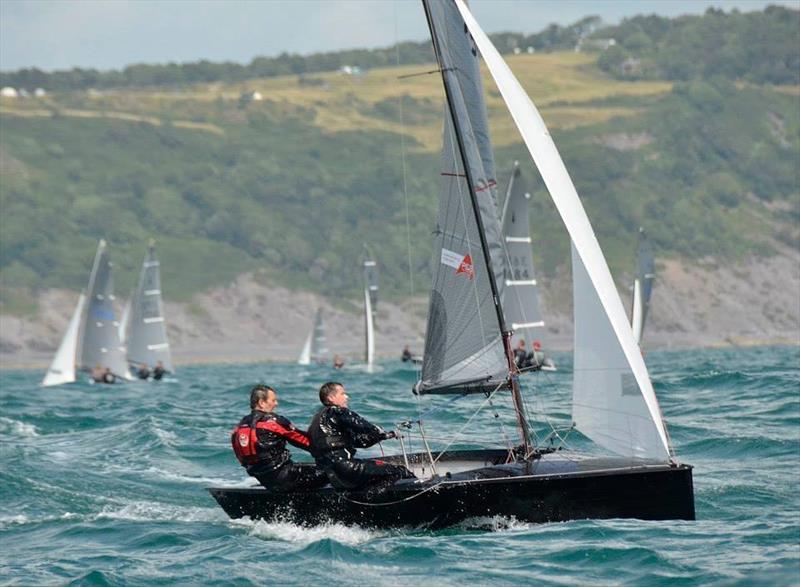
column 259, row 442
column 406, row 356
column 338, row 362
column 143, row 372
column 101, row 375
column 336, row 432
column 158, row 371
column 537, row 359
column 521, row 355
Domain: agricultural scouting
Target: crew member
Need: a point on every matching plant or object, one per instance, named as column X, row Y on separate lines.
column 338, row 362
column 259, row 442
column 406, row 356
column 521, row 357
column 143, row 372
column 158, row 371
column 336, row 432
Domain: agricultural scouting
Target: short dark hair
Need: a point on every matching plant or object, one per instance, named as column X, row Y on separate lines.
column 328, row 390
column 258, row 393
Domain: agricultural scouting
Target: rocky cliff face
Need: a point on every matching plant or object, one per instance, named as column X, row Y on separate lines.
column 704, row 303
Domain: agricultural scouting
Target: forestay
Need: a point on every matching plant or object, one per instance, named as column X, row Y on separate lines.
column 587, row 250
column 463, row 344
column 147, row 337
column 100, row 343
column 642, row 286
column 521, row 296
column 62, row 369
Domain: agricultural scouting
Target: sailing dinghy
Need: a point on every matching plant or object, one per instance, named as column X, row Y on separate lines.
column 468, row 351
column 370, row 310
column 92, row 337
column 315, row 348
column 642, row 285
column 521, row 295
column 147, row 342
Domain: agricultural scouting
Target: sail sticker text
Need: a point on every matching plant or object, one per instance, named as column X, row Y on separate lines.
column 461, row 263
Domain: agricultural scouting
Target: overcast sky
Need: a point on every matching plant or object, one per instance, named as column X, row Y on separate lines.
column 110, row 34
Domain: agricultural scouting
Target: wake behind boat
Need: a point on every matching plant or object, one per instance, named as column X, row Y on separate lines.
column 468, row 350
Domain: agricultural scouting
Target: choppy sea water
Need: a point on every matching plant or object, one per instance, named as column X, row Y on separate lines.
column 105, row 485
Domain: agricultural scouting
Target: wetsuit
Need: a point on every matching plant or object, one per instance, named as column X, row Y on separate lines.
column 335, row 434
column 143, row 373
column 520, row 358
column 158, row 372
column 406, row 356
column 272, row 463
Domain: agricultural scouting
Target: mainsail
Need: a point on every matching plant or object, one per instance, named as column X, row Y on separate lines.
column 370, row 304
column 316, row 346
column 62, row 369
column 521, row 297
column 100, row 344
column 464, row 349
column 595, row 292
column 147, row 331
column 642, row 286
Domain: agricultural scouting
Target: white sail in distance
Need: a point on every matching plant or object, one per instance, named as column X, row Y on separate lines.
column 520, row 296
column 642, row 286
column 100, row 344
column 147, row 330
column 62, row 369
column 551, row 167
column 370, row 302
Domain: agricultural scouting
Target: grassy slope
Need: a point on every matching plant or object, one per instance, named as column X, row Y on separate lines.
column 293, row 185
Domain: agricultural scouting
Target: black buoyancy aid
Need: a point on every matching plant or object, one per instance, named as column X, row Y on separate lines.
column 324, row 434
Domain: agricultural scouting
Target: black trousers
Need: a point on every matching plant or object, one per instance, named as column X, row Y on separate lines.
column 293, row 477
column 364, row 473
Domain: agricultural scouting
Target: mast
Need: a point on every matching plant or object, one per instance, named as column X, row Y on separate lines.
column 516, row 395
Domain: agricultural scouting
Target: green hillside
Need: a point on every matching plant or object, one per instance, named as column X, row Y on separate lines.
column 293, row 184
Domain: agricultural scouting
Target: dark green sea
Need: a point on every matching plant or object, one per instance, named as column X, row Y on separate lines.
column 105, row 485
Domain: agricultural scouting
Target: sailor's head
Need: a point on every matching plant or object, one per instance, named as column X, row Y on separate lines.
column 263, row 398
column 521, row 344
column 332, row 394
column 537, row 346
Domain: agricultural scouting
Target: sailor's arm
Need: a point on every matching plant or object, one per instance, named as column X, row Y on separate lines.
column 285, row 429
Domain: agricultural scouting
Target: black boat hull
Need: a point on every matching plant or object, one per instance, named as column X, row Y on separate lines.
column 555, row 491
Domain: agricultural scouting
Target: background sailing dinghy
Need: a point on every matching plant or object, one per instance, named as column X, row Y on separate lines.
column 315, row 348
column 642, row 285
column 521, row 295
column 92, row 337
column 468, row 350
column 146, row 328
column 370, row 309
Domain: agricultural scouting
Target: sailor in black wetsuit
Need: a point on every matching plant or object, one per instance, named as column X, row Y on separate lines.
column 259, row 442
column 143, row 372
column 336, row 432
column 158, row 371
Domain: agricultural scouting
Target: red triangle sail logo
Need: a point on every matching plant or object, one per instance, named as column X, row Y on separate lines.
column 466, row 267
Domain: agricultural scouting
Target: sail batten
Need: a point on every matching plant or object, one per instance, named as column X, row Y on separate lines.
column 586, row 248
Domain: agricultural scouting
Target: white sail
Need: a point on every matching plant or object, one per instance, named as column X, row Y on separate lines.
column 587, row 249
column 147, row 342
column 123, row 323
column 62, row 369
column 369, row 331
column 607, row 405
column 305, row 354
column 642, row 286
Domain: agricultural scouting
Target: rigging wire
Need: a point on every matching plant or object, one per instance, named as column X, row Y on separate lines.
column 403, row 160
